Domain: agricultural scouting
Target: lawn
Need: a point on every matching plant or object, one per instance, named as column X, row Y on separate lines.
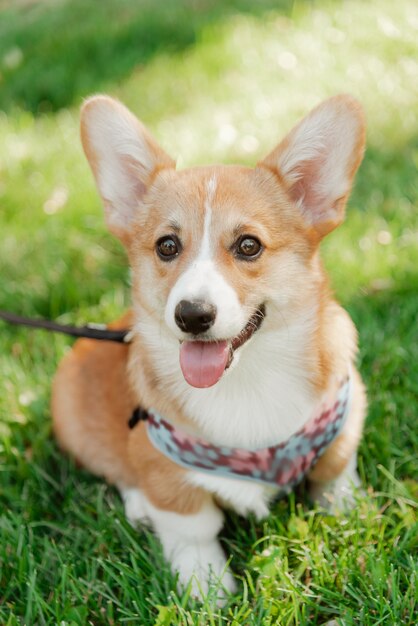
column 215, row 81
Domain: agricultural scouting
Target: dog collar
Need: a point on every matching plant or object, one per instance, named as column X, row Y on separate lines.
column 282, row 465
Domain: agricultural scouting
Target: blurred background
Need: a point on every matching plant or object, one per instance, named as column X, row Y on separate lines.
column 214, row 81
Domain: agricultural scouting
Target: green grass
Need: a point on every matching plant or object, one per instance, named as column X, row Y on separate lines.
column 215, row 82
column 61, row 41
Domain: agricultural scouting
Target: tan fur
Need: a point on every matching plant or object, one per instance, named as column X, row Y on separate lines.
column 99, row 384
column 92, row 402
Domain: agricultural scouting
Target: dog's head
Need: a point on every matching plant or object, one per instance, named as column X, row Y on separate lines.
column 215, row 249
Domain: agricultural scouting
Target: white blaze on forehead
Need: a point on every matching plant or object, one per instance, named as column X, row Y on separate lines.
column 205, row 249
column 203, row 280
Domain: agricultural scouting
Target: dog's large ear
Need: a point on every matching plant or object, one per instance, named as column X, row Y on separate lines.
column 124, row 158
column 317, row 161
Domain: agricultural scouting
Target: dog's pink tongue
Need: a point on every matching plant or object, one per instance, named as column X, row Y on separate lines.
column 203, row 362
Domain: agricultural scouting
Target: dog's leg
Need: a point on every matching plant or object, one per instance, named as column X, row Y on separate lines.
column 189, row 541
column 134, row 502
column 334, row 478
column 338, row 494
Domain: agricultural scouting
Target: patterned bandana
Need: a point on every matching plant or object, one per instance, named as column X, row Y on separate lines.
column 282, row 465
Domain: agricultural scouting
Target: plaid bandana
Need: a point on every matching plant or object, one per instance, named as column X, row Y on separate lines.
column 282, row 465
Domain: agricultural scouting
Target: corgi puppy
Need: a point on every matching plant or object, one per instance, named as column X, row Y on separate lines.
column 240, row 377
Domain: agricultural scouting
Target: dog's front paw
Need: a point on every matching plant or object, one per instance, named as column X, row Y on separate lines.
column 339, row 494
column 204, row 567
column 134, row 502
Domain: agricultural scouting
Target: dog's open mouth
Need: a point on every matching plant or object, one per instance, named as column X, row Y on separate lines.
column 204, row 362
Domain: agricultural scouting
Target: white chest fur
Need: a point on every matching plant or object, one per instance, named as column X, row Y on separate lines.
column 263, row 399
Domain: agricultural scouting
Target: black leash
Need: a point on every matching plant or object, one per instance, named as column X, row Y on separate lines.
column 90, row 331
column 138, row 415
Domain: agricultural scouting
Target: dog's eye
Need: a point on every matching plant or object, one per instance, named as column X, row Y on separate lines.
column 248, row 247
column 168, row 247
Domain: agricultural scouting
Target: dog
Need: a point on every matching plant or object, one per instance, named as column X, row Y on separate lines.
column 240, row 377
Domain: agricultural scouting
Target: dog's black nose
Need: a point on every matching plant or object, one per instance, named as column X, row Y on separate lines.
column 195, row 317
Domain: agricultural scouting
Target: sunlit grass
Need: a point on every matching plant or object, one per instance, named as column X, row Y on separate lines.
column 66, row 554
